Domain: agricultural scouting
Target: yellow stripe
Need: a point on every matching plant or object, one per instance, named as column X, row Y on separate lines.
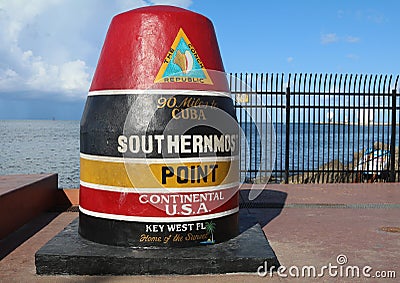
column 174, row 175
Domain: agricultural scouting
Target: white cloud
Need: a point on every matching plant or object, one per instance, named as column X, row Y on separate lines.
column 8, row 78
column 329, row 38
column 23, row 69
column 353, row 56
column 52, row 46
column 179, row 3
column 352, row 39
column 70, row 78
column 73, row 75
column 371, row 15
column 341, row 13
column 289, row 59
column 125, row 5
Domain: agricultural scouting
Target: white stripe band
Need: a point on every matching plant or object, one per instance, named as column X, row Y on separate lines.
column 158, row 219
column 158, row 160
column 159, row 190
column 158, row 91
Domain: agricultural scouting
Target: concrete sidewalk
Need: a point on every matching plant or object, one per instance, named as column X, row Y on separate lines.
column 306, row 225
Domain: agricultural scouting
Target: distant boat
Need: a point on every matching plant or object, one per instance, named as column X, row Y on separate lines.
column 330, row 115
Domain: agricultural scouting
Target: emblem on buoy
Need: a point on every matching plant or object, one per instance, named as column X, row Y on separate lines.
column 182, row 64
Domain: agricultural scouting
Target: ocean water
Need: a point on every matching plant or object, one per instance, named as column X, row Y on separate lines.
column 36, row 146
column 310, row 146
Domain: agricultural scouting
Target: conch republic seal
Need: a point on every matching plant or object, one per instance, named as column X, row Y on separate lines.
column 159, row 140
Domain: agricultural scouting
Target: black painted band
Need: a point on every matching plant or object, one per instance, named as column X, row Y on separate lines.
column 107, row 118
column 123, row 233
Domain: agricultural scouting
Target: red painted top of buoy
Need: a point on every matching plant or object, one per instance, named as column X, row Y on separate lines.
column 138, row 44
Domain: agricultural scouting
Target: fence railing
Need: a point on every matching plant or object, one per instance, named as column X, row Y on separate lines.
column 318, row 128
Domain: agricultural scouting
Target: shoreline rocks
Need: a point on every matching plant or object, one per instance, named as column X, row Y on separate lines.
column 336, row 172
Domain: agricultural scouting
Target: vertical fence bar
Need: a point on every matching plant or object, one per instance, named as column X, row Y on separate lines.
column 395, row 89
column 292, row 129
column 344, row 124
column 304, row 128
column 323, row 128
column 359, row 130
column 311, row 126
column 296, row 97
column 355, row 162
column 279, row 139
column 297, row 123
column 385, row 129
column 368, row 110
column 319, row 122
column 336, row 125
column 312, row 138
column 377, row 106
column 370, row 141
column 287, row 134
column 259, row 123
column 310, row 148
column 326, row 172
column 363, row 117
column 349, row 122
column 239, row 88
column 283, row 121
column 393, row 139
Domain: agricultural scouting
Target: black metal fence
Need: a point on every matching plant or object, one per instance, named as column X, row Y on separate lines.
column 318, row 128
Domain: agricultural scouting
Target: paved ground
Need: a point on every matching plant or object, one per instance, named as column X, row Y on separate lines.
column 306, row 225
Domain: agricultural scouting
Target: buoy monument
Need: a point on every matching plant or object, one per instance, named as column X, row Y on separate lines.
column 159, row 138
column 159, row 159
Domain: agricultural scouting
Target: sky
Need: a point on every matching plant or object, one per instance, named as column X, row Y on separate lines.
column 49, row 48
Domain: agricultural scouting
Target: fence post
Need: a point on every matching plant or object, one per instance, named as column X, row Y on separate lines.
column 393, row 139
column 287, row 135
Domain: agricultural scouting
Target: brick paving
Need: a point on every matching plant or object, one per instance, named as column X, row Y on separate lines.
column 305, row 225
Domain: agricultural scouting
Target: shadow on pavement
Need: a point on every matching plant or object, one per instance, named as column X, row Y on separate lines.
column 18, row 237
column 263, row 209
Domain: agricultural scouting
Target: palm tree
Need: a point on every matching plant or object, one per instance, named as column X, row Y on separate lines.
column 210, row 228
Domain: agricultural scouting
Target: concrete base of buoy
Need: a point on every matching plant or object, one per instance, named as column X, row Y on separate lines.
column 68, row 253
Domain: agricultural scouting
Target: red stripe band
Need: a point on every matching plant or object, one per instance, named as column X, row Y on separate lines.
column 164, row 205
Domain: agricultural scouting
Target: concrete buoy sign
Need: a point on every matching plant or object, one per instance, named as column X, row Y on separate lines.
column 159, row 140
